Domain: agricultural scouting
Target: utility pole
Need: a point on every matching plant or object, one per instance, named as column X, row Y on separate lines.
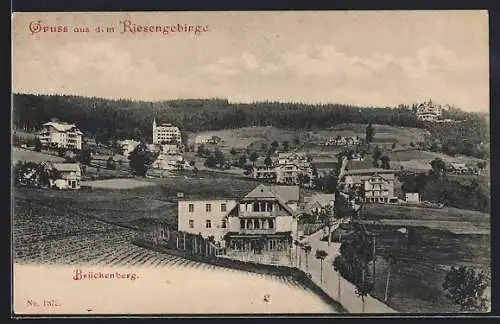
column 338, row 272
column 330, row 226
column 374, row 258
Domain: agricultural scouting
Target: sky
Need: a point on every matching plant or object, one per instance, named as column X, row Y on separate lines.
column 369, row 58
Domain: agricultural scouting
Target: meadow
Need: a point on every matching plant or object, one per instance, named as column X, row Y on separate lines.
column 421, row 265
column 383, row 133
column 384, row 211
column 254, row 137
column 19, row 154
column 241, row 138
column 413, row 159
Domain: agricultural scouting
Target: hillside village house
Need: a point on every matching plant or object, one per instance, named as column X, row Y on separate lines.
column 343, row 141
column 428, row 111
column 128, row 146
column 170, row 149
column 155, row 148
column 413, row 197
column 263, row 225
column 264, row 172
column 317, row 203
column 290, row 166
column 378, row 189
column 459, row 168
column 60, row 135
column 207, row 139
column 169, row 162
column 205, row 217
column 90, row 141
column 166, row 133
column 377, row 184
column 69, row 175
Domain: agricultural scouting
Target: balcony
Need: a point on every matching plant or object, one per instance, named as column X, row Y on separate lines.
column 253, row 214
column 258, row 231
column 378, row 193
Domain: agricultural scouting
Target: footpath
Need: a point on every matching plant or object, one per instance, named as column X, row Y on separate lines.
column 332, row 283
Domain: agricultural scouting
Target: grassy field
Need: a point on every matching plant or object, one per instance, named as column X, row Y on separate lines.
column 205, row 184
column 124, row 201
column 412, row 159
column 117, row 184
column 421, row 265
column 383, row 133
column 19, row 154
column 384, row 211
column 122, row 207
column 241, row 138
column 420, row 160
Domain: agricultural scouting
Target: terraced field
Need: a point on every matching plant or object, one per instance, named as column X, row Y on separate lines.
column 43, row 235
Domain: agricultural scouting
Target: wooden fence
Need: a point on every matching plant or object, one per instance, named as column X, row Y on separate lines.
column 189, row 243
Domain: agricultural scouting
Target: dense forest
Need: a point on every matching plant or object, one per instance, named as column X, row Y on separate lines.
column 119, row 119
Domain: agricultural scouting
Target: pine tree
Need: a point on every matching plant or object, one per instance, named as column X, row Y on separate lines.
column 370, row 133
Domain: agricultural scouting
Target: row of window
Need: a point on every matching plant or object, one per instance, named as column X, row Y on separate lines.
column 258, row 206
column 244, row 223
column 208, row 208
column 208, row 223
column 256, row 223
column 245, row 245
column 377, row 187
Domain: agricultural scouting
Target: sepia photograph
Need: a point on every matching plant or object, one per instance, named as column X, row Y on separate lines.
column 250, row 163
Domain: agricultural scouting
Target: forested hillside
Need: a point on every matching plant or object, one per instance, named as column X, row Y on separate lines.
column 117, row 119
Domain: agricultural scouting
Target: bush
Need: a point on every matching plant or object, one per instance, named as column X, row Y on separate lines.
column 454, row 192
column 465, row 287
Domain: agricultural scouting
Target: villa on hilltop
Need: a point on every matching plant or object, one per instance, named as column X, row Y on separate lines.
column 429, row 111
column 166, row 133
column 60, row 135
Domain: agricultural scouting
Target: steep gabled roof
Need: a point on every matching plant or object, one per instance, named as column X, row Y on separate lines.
column 319, row 199
column 263, row 191
column 61, row 127
column 324, row 199
column 287, row 193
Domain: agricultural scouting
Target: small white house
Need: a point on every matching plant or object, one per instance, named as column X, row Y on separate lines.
column 169, row 162
column 412, row 197
column 170, row 149
column 128, row 146
column 69, row 177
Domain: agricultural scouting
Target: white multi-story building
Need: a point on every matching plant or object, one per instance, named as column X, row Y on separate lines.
column 165, row 133
column 378, row 189
column 61, row 135
column 377, row 184
column 205, row 217
column 428, row 111
column 290, row 166
column 264, row 223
